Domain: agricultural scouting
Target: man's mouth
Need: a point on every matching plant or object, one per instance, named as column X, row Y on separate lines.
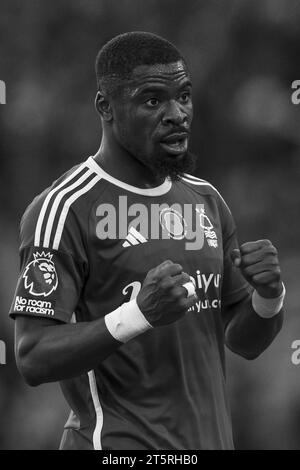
column 175, row 144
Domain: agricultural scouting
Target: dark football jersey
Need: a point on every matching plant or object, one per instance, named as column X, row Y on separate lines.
column 87, row 243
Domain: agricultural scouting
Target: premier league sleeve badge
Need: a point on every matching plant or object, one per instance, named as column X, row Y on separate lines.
column 40, row 276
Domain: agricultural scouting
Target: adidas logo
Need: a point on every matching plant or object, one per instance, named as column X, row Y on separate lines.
column 133, row 238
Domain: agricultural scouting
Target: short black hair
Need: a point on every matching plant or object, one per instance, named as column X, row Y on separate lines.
column 118, row 58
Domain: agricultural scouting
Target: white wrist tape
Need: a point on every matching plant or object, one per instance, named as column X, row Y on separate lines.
column 267, row 308
column 126, row 322
column 190, row 287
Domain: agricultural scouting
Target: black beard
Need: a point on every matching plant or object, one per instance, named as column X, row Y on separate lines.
column 163, row 166
column 172, row 167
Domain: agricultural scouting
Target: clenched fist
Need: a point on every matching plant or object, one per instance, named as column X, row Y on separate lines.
column 258, row 262
column 162, row 299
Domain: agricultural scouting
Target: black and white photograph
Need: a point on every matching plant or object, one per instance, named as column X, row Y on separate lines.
column 149, row 227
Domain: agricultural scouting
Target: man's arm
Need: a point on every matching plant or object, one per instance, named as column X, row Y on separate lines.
column 250, row 326
column 248, row 334
column 47, row 350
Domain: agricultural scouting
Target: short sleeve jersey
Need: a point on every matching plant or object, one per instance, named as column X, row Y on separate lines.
column 87, row 243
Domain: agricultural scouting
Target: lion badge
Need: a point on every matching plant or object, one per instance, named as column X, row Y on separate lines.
column 40, row 276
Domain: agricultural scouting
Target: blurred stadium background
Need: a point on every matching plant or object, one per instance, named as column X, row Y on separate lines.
column 243, row 55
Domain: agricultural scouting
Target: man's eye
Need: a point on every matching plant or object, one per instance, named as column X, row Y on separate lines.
column 152, row 102
column 185, row 97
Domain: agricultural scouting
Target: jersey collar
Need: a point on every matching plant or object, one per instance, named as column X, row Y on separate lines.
column 157, row 191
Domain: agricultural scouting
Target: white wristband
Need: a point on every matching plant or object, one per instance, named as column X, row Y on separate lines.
column 190, row 287
column 126, row 322
column 267, row 308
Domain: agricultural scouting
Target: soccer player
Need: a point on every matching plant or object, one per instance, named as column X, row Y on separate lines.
column 132, row 280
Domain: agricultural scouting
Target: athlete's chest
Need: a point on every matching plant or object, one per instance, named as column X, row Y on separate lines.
column 131, row 234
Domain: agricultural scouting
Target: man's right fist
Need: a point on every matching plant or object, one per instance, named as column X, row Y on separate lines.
column 162, row 299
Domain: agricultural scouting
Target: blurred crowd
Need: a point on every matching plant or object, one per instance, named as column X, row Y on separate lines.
column 243, row 56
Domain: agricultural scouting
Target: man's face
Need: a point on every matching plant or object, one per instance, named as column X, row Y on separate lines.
column 152, row 118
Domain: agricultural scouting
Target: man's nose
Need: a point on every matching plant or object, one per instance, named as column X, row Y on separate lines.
column 174, row 114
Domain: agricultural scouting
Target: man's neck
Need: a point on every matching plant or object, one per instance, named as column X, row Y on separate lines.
column 123, row 166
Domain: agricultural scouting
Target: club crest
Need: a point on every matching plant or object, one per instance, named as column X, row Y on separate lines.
column 173, row 222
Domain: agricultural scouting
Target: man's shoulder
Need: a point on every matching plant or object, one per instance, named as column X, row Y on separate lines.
column 35, row 205
column 47, row 215
column 201, row 186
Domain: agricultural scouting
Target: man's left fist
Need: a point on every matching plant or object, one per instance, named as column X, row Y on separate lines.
column 258, row 262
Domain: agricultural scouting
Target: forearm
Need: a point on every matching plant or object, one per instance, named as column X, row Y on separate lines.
column 248, row 334
column 48, row 351
column 64, row 351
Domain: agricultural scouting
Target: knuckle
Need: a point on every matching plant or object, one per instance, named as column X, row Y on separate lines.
column 177, row 294
column 248, row 270
column 257, row 278
column 270, row 250
column 166, row 283
column 243, row 247
column 178, row 266
column 168, row 262
column 185, row 277
column 150, row 278
column 245, row 260
column 266, row 243
column 153, row 274
column 274, row 250
column 150, row 272
column 182, row 304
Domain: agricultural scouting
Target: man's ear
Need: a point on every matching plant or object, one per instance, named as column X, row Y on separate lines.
column 103, row 106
